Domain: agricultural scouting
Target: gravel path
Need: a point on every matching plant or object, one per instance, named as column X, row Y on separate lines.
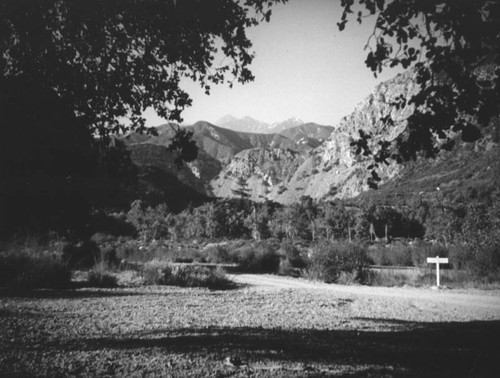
column 484, row 304
column 276, row 327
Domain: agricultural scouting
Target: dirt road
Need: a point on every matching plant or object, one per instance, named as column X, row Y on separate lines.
column 482, row 303
column 278, row 327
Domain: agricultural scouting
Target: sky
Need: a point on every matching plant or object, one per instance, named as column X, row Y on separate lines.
column 304, row 67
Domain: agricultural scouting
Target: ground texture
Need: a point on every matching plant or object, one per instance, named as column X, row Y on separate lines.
column 270, row 326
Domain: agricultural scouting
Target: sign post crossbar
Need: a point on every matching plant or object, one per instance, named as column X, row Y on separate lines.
column 437, row 260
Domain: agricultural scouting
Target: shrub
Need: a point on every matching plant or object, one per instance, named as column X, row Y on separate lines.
column 128, row 251
column 481, row 261
column 257, row 258
column 195, row 276
column 330, row 260
column 24, row 271
column 377, row 256
column 282, row 189
column 219, row 255
column 188, row 255
column 352, row 277
column 101, row 279
column 391, row 255
column 151, row 222
column 397, row 278
column 152, row 273
column 109, row 258
column 427, row 277
column 101, row 238
column 422, row 250
column 81, row 256
column 133, row 251
column 286, row 269
column 293, row 255
column 399, row 254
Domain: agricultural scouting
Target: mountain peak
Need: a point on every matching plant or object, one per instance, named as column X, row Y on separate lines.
column 294, row 120
column 286, row 124
column 246, row 124
column 226, row 119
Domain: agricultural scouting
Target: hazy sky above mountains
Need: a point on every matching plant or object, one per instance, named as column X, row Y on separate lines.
column 304, row 67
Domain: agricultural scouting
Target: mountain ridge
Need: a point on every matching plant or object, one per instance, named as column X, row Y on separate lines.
column 318, row 161
column 332, row 170
column 248, row 124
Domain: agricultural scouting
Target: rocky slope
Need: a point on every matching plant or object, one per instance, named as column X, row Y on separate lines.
column 318, row 161
column 309, row 130
column 332, row 169
column 272, row 156
column 263, row 168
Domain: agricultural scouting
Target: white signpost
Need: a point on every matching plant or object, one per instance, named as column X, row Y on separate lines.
column 437, row 260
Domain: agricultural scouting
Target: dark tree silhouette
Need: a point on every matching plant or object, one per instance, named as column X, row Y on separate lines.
column 71, row 70
column 454, row 49
column 241, row 189
column 44, row 154
column 109, row 59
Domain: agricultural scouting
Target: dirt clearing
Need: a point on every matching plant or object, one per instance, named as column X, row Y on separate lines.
column 271, row 326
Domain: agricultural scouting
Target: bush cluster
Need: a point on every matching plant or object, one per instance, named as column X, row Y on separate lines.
column 480, row 261
column 102, row 279
column 331, row 261
column 257, row 257
column 25, row 271
column 293, row 261
column 399, row 254
column 186, row 276
column 81, row 256
column 470, row 264
column 219, row 254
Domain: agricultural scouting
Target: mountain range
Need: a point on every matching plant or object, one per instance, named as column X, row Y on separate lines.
column 250, row 125
column 285, row 161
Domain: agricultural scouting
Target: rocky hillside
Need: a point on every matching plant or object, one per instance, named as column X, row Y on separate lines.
column 221, row 148
column 264, row 169
column 308, row 134
column 159, row 179
column 469, row 173
column 217, row 142
column 318, row 161
column 332, row 169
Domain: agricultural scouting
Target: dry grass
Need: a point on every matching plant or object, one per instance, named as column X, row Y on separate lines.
column 417, row 277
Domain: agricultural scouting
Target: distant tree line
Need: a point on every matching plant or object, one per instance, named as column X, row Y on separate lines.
column 310, row 221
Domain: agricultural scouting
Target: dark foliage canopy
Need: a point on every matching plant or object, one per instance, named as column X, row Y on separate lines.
column 453, row 46
column 74, row 69
column 111, row 59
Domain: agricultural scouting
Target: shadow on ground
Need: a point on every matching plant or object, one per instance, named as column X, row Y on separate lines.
column 66, row 294
column 430, row 349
